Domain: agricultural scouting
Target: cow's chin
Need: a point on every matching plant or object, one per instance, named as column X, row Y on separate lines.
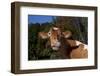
column 55, row 48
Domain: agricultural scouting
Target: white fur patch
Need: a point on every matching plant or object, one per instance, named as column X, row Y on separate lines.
column 67, row 36
column 85, row 46
column 55, row 28
column 78, row 43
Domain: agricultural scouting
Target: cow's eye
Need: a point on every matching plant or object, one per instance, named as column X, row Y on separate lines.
column 49, row 33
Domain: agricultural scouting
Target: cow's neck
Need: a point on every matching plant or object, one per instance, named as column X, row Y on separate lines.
column 62, row 50
column 66, row 48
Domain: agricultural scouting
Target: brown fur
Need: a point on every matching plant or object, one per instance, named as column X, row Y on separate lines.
column 68, row 48
column 54, row 37
column 79, row 52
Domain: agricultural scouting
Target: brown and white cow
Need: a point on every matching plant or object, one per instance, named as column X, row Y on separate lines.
column 66, row 47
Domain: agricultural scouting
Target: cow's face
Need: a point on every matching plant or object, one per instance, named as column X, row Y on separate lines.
column 55, row 35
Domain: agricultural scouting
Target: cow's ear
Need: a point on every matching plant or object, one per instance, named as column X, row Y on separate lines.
column 43, row 35
column 67, row 34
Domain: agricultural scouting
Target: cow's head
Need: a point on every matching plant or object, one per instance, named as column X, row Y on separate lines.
column 55, row 34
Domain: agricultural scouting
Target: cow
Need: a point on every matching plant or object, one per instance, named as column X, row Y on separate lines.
column 67, row 48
